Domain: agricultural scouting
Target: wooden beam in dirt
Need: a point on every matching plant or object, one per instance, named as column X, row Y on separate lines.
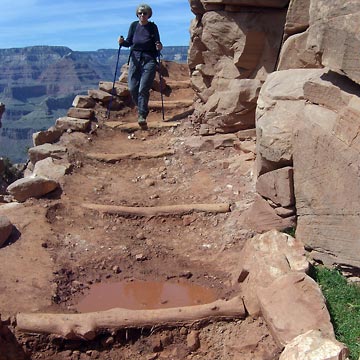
column 170, row 104
column 86, row 326
column 159, row 210
column 112, row 158
column 135, row 126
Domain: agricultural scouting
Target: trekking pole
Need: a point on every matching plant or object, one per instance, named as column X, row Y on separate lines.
column 113, row 87
column 161, row 86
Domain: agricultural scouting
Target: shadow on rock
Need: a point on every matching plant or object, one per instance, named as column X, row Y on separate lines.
column 10, row 349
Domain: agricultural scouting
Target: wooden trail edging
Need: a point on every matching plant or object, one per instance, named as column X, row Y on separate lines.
column 159, row 210
column 85, row 326
column 112, row 158
column 135, row 126
column 170, row 104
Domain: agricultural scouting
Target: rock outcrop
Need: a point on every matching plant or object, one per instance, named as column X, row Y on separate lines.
column 234, row 46
column 319, row 34
column 307, row 111
column 324, row 143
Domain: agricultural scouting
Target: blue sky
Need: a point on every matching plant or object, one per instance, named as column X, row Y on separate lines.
column 87, row 25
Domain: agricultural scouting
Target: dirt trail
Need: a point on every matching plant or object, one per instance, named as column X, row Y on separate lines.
column 62, row 247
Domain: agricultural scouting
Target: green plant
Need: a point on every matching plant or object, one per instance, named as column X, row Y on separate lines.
column 11, row 173
column 290, row 231
column 343, row 301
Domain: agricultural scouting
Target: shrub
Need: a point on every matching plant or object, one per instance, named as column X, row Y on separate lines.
column 11, row 173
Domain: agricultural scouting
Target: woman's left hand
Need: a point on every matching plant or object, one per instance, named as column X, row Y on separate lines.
column 158, row 46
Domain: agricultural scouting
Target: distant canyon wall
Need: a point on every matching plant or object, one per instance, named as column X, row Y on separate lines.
column 39, row 83
column 292, row 70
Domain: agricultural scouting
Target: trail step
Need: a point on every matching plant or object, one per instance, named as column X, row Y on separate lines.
column 159, row 210
column 135, row 126
column 170, row 104
column 178, row 84
column 112, row 158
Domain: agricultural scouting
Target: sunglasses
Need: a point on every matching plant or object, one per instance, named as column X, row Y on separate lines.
column 142, row 13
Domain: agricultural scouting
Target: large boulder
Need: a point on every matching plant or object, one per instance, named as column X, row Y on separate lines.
column 36, row 187
column 332, row 38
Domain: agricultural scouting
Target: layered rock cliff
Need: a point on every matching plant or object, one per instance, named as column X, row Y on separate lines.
column 290, row 68
column 38, row 84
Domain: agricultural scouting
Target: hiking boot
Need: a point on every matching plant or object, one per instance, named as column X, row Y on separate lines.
column 142, row 122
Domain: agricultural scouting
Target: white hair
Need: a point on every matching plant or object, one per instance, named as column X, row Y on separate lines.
column 144, row 7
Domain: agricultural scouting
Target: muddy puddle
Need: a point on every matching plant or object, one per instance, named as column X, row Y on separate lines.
column 142, row 295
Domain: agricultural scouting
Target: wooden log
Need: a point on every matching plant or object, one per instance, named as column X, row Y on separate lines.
column 86, row 326
column 170, row 104
column 159, row 210
column 112, row 158
column 135, row 126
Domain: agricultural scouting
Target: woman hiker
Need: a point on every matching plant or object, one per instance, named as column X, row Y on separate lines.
column 144, row 40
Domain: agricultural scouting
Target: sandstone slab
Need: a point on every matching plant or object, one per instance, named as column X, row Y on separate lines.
column 80, row 113
column 292, row 305
column 265, row 258
column 327, row 200
column 278, row 186
column 261, row 217
column 120, row 89
column 100, row 95
column 74, row 124
column 46, row 150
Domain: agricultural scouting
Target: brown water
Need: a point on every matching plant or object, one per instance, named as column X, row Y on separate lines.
column 140, row 295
